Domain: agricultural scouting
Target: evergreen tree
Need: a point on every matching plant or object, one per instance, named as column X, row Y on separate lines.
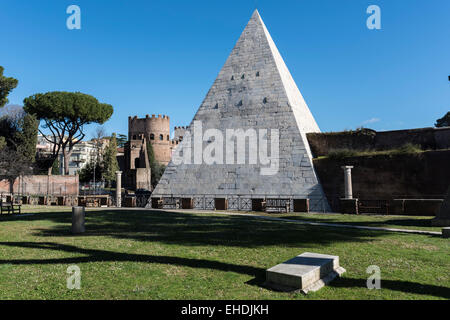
column 55, row 167
column 110, row 164
column 444, row 121
column 26, row 138
column 86, row 174
column 121, row 140
column 19, row 130
column 65, row 114
column 150, row 153
column 6, row 86
column 156, row 168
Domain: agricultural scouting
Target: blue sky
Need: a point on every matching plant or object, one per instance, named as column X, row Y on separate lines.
column 161, row 57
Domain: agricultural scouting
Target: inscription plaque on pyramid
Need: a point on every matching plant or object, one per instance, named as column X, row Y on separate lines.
column 254, row 92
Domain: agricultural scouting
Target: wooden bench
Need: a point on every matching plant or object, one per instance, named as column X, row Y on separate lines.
column 9, row 207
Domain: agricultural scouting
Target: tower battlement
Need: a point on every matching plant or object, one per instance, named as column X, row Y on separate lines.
column 156, row 130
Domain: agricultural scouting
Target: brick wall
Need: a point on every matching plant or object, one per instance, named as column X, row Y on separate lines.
column 42, row 185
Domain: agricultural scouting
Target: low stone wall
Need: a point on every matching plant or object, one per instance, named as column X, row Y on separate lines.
column 367, row 139
column 42, row 185
column 408, row 176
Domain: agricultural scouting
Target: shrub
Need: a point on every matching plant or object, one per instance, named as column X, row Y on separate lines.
column 408, row 148
column 339, row 154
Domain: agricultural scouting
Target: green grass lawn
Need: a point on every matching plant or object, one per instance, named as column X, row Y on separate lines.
column 130, row 254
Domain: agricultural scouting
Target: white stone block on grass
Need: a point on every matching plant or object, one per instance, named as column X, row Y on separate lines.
column 306, row 272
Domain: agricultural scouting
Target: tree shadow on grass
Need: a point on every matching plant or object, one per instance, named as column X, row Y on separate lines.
column 395, row 285
column 189, row 229
column 96, row 255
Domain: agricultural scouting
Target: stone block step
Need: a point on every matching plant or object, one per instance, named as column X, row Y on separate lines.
column 305, row 272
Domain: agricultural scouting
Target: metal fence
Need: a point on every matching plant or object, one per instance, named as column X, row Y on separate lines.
column 240, row 202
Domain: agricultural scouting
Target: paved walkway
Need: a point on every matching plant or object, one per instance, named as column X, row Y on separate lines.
column 322, row 224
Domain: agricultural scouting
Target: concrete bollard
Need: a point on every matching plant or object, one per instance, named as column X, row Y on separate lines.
column 78, row 220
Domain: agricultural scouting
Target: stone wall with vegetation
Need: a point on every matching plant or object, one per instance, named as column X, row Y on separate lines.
column 366, row 139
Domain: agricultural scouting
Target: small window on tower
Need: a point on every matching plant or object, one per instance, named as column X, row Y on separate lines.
column 243, row 76
column 257, row 74
column 168, row 137
column 161, row 137
column 232, row 77
column 152, row 136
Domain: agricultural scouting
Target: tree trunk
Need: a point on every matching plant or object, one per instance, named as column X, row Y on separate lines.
column 67, row 155
column 66, row 162
column 11, row 185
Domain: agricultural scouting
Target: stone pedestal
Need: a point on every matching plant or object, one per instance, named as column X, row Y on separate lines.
column 118, row 189
column 78, row 215
column 306, row 272
column 349, row 206
column 443, row 216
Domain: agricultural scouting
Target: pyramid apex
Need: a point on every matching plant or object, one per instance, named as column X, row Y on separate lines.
column 256, row 14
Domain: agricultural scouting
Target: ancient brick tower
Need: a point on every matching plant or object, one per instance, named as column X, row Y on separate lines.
column 156, row 130
column 253, row 91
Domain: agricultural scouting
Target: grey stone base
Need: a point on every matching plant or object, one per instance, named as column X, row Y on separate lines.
column 349, row 206
column 304, row 273
column 78, row 217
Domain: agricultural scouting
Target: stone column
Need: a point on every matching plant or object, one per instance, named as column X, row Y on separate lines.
column 348, row 181
column 78, row 220
column 118, row 189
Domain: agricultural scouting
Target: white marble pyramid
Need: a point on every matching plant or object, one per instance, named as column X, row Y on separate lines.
column 254, row 90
